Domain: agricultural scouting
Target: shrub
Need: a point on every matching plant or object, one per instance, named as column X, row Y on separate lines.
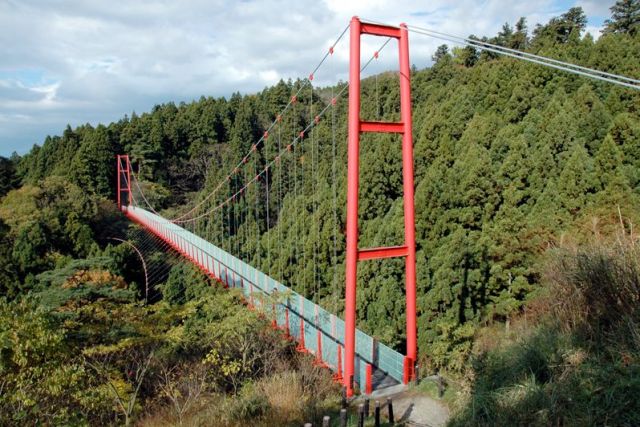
column 579, row 363
column 596, row 290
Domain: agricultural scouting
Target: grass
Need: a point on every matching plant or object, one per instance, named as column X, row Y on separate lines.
column 430, row 388
column 579, row 363
column 288, row 397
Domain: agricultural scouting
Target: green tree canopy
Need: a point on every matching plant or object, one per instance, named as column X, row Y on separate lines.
column 625, row 18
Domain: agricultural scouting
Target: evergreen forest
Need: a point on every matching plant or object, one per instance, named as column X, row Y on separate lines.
column 527, row 198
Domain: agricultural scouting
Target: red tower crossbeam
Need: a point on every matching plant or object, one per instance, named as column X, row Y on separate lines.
column 408, row 250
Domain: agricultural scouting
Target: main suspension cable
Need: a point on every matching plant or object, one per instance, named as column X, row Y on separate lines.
column 292, row 101
column 295, row 141
column 568, row 67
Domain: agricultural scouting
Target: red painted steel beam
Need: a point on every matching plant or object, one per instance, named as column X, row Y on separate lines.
column 353, row 172
column 408, row 199
column 379, row 253
column 130, row 197
column 339, row 375
column 384, row 127
column 319, row 346
column 301, row 344
column 286, row 323
column 118, row 182
column 380, row 30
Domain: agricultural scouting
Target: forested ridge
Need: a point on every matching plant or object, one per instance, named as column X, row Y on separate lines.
column 512, row 160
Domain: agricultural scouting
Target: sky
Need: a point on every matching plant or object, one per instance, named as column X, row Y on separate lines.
column 93, row 61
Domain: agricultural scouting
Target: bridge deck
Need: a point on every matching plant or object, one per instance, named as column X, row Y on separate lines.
column 318, row 331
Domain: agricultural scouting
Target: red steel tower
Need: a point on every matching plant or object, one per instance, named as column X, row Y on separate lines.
column 124, row 180
column 408, row 250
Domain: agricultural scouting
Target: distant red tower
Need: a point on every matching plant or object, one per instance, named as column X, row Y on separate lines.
column 124, row 180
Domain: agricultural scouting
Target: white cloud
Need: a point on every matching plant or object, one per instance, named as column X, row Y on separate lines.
column 594, row 31
column 101, row 60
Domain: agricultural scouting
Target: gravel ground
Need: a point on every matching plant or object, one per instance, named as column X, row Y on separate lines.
column 412, row 407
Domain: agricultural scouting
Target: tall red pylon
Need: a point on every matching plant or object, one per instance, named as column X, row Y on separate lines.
column 124, row 174
column 408, row 250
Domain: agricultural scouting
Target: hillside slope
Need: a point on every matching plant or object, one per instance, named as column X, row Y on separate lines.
column 510, row 158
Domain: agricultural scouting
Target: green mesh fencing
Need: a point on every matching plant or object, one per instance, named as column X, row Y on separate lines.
column 305, row 318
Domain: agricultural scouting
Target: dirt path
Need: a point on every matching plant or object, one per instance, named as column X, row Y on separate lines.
column 420, row 410
column 413, row 408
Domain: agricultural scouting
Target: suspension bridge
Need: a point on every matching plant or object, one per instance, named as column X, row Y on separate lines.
column 253, row 189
